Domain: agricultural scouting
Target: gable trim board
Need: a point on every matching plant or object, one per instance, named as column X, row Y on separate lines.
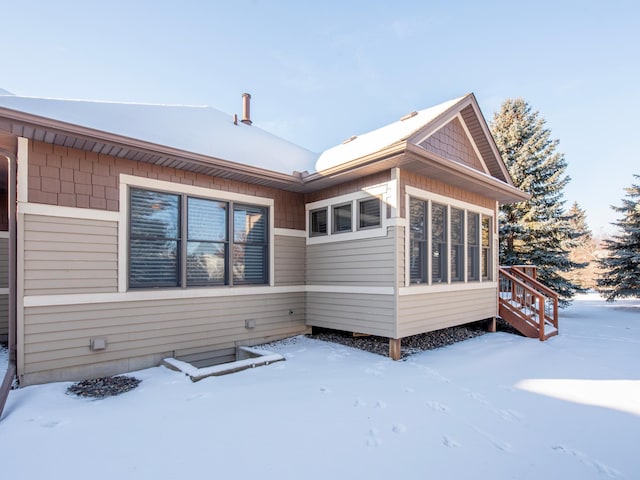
column 355, row 281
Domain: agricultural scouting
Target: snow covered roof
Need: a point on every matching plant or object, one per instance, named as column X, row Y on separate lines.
column 376, row 140
column 201, row 130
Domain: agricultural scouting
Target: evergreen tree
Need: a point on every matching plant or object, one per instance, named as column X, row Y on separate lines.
column 621, row 277
column 581, row 248
column 535, row 232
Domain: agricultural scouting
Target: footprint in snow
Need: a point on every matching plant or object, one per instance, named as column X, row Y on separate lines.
column 381, row 404
column 325, row 390
column 499, row 444
column 449, row 442
column 398, row 428
column 507, row 415
column 373, row 371
column 373, row 438
column 197, row 396
column 51, row 424
column 438, row 407
column 359, row 403
column 409, row 390
column 589, row 462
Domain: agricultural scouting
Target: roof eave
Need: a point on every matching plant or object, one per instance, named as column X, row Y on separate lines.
column 248, row 173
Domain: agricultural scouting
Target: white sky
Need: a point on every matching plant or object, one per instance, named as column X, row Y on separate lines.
column 320, row 72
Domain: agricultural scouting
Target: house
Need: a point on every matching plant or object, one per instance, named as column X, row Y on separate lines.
column 137, row 232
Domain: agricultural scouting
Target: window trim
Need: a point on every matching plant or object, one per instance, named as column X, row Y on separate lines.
column 430, row 198
column 129, row 181
column 380, row 192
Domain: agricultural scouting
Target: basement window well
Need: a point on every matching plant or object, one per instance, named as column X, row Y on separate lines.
column 246, row 357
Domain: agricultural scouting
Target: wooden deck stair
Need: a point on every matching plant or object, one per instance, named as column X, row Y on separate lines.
column 526, row 304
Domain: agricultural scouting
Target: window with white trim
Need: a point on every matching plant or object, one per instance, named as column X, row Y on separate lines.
column 178, row 240
column 341, row 218
column 458, row 241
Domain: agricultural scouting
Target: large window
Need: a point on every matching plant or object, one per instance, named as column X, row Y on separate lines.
column 178, row 241
column 460, row 247
column 418, row 240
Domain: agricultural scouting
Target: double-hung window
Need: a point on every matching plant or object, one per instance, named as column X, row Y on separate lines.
column 178, row 240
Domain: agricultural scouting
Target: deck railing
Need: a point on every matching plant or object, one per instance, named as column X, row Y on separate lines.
column 527, row 304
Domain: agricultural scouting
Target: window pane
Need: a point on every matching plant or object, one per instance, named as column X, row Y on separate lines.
column 439, row 243
column 318, row 222
column 486, row 248
column 154, row 240
column 342, row 218
column 473, row 250
column 249, row 224
column 154, row 214
column 457, row 245
column 206, row 263
column 418, row 244
column 249, row 264
column 369, row 213
column 207, row 220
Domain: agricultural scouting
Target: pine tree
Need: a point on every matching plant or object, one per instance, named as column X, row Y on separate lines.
column 535, row 232
column 581, row 248
column 621, row 277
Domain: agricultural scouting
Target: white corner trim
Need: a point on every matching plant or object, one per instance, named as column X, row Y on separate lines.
column 67, row 212
column 289, row 232
column 23, row 169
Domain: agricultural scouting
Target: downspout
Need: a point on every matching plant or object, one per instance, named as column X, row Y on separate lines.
column 12, row 340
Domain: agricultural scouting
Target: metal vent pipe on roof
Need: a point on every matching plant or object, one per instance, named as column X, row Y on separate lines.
column 246, row 109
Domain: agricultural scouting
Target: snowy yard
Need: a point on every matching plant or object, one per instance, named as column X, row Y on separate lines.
column 496, row 407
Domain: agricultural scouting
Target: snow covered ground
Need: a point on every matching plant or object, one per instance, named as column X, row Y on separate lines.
column 496, row 407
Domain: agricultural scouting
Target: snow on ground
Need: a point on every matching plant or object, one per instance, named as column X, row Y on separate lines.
column 497, row 406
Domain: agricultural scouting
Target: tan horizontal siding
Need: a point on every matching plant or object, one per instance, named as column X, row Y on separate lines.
column 368, row 262
column 362, row 313
column 58, row 337
column 69, row 255
column 433, row 311
column 4, row 263
column 400, row 259
column 289, row 261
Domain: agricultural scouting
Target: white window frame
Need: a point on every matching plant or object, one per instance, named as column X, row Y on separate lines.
column 130, row 181
column 377, row 191
column 430, row 198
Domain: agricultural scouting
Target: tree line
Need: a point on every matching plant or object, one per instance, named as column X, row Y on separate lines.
column 542, row 232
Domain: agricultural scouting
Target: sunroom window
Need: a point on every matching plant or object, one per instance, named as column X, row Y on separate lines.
column 457, row 239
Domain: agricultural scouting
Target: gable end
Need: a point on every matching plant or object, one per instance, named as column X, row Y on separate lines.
column 451, row 142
